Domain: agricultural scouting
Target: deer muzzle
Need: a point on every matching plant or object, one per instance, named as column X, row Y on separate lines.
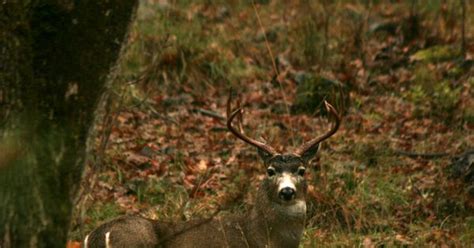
column 287, row 194
column 286, row 187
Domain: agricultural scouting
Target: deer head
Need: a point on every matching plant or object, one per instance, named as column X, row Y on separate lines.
column 285, row 184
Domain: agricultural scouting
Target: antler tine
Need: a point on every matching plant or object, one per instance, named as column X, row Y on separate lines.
column 241, row 136
column 310, row 144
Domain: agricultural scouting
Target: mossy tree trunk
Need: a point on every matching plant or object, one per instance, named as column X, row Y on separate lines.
column 54, row 59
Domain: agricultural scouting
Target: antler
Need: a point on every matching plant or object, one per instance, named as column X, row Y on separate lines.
column 310, row 144
column 240, row 135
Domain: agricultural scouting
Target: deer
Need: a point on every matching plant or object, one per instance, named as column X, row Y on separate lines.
column 277, row 218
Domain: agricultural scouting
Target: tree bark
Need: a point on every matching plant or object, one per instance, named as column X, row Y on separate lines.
column 54, row 59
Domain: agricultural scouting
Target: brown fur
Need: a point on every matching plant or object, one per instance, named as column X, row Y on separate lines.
column 272, row 222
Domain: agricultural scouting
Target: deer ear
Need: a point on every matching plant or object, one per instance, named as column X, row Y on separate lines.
column 310, row 153
column 264, row 155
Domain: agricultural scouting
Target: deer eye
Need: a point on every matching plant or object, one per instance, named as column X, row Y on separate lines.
column 271, row 171
column 301, row 171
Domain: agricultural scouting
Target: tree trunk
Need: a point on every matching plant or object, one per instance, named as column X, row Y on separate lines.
column 54, row 59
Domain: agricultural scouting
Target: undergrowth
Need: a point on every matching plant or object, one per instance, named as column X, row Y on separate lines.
column 169, row 159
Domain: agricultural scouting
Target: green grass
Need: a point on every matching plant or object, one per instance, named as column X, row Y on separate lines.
column 362, row 193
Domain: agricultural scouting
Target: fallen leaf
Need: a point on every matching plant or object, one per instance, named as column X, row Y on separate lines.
column 73, row 244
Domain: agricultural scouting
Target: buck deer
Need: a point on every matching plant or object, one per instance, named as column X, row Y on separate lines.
column 276, row 220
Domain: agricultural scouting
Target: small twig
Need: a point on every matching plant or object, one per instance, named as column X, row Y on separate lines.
column 240, row 117
column 162, row 116
column 210, row 113
column 463, row 29
column 327, row 18
column 244, row 236
column 275, row 68
column 109, row 119
column 342, row 100
column 420, row 155
column 218, row 129
column 402, row 153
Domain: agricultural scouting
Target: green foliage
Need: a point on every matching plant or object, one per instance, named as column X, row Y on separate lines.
column 363, row 194
column 369, row 154
column 175, row 48
column 432, row 96
column 98, row 213
column 436, row 54
column 468, row 233
column 312, row 91
column 312, row 41
column 445, row 98
column 103, row 212
column 361, row 206
column 468, row 114
column 154, row 191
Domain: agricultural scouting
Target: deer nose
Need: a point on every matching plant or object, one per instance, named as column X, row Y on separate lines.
column 287, row 193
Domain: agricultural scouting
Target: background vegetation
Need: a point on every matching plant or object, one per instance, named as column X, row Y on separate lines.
column 404, row 69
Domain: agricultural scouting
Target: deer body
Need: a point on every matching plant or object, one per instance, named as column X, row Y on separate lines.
column 276, row 220
column 266, row 224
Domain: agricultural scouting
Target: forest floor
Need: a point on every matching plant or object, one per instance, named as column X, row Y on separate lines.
column 162, row 149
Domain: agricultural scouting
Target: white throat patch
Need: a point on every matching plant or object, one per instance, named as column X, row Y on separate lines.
column 297, row 209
